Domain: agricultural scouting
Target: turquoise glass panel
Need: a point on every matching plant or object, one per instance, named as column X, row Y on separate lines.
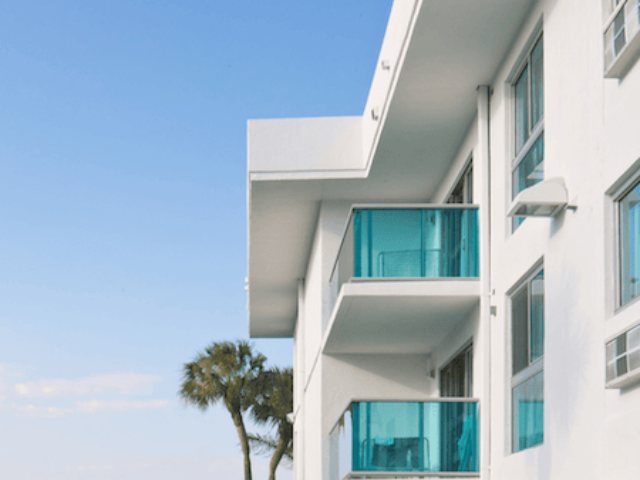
column 531, row 169
column 431, row 243
column 415, row 436
column 630, row 245
column 528, row 413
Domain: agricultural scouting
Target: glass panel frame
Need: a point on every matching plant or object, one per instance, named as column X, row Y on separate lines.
column 527, row 367
column 415, row 243
column 528, row 94
column 528, row 123
column 439, row 436
column 528, row 413
column 629, row 245
column 521, row 105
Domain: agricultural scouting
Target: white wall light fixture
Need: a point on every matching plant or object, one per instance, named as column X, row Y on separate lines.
column 544, row 199
column 431, row 366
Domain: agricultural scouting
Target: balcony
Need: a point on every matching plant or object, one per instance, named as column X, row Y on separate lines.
column 404, row 277
column 409, row 242
column 438, row 438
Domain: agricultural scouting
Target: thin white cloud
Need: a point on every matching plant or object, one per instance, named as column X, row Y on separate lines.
column 93, row 386
column 93, row 406
column 135, row 466
column 120, row 383
column 6, row 372
column 41, row 412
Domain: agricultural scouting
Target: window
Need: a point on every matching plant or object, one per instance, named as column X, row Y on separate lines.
column 623, row 359
column 528, row 89
column 456, row 378
column 463, row 191
column 622, row 22
column 527, row 350
column 629, row 244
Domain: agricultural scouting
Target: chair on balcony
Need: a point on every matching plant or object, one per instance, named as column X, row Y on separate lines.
column 397, row 454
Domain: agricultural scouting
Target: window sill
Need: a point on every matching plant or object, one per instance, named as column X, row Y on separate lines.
column 528, row 449
column 629, row 304
column 625, row 380
column 625, row 60
column 623, row 319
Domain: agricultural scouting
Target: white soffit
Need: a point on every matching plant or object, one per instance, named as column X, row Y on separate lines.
column 454, row 47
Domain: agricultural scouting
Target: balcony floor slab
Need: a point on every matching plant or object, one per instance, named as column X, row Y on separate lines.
column 398, row 316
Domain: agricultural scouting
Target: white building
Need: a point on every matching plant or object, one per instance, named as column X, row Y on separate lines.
column 437, row 334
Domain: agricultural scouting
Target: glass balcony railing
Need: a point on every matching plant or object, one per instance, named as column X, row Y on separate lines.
column 409, row 242
column 440, row 436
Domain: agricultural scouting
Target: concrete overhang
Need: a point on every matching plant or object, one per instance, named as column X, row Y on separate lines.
column 398, row 316
column 421, row 104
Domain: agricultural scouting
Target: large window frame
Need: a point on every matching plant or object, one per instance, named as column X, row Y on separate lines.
column 527, row 86
column 627, row 222
column 527, row 361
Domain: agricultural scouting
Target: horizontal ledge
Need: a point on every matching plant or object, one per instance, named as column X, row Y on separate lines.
column 429, row 400
column 414, row 206
column 408, row 474
column 291, row 175
column 624, row 381
column 415, row 287
column 411, row 279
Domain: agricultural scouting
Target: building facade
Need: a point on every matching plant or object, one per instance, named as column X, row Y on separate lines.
column 459, row 267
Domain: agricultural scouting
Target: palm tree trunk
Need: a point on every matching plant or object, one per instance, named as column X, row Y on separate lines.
column 277, row 456
column 244, row 444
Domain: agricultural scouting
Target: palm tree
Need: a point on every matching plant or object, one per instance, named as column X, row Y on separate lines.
column 271, row 407
column 225, row 372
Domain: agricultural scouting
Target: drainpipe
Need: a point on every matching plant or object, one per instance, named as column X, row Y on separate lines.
column 483, row 154
column 298, row 462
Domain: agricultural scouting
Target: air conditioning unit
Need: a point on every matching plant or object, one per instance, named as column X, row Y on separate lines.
column 623, row 359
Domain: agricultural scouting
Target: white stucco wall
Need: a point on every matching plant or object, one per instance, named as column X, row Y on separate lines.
column 371, row 377
column 458, row 164
column 307, row 340
column 589, row 433
column 460, row 338
column 620, row 160
column 592, row 141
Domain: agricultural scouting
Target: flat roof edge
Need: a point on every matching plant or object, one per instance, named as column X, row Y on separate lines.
column 323, row 144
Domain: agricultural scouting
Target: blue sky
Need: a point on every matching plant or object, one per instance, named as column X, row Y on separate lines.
column 123, row 214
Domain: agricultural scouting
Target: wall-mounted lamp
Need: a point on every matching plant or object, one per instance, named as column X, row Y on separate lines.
column 431, row 366
column 544, row 199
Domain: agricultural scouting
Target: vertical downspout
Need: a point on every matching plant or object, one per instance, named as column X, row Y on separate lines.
column 484, row 154
column 302, row 378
